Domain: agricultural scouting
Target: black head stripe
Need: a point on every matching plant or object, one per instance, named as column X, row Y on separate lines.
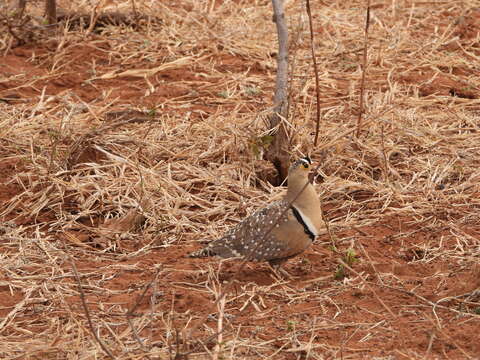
column 300, row 220
column 301, row 161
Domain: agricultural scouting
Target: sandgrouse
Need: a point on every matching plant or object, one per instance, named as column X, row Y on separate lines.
column 293, row 233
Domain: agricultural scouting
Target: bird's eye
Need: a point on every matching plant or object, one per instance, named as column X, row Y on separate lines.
column 305, row 165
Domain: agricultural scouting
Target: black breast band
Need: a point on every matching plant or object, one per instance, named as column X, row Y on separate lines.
column 300, row 220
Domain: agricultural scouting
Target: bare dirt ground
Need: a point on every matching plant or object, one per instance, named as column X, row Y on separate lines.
column 124, row 147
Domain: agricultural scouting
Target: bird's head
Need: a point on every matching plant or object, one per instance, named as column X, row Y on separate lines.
column 301, row 167
column 299, row 171
column 298, row 176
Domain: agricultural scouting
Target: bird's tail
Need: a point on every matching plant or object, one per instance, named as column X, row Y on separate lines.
column 205, row 252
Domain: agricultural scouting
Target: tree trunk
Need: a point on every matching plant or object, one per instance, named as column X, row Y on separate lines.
column 21, row 8
column 278, row 152
column 51, row 11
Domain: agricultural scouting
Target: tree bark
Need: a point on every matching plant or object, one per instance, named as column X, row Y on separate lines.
column 278, row 152
column 21, row 8
column 51, row 11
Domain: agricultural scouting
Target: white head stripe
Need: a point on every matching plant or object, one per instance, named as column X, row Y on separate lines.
column 305, row 160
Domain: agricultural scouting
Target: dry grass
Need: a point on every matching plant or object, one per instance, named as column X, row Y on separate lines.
column 165, row 124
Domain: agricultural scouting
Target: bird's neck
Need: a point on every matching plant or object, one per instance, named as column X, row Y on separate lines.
column 295, row 187
column 306, row 204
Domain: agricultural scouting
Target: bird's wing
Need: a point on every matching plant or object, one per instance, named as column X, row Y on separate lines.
column 270, row 233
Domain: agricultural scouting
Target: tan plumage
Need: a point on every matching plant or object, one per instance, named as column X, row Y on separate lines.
column 293, row 233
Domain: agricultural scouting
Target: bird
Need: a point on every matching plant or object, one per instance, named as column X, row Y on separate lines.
column 278, row 232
